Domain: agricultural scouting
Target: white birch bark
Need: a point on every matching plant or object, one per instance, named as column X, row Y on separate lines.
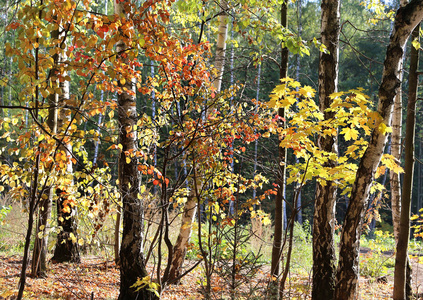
column 394, row 178
column 132, row 263
column 190, row 208
column 406, row 20
column 219, row 63
column 66, row 249
column 181, row 245
column 324, row 259
column 401, row 258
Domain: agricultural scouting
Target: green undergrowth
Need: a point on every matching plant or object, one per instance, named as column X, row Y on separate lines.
column 377, row 254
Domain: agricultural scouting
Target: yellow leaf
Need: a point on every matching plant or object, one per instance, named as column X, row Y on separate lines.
column 414, row 217
column 334, row 95
column 391, row 163
column 416, row 44
column 349, row 133
column 44, row 93
column 351, row 149
column 280, row 90
column 72, row 237
column 272, row 102
column 380, row 171
column 7, row 293
column 266, row 221
column 307, row 91
column 384, row 129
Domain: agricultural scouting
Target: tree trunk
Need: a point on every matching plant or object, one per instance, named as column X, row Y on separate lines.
column 256, row 141
column 324, row 259
column 33, row 199
column 219, row 63
column 347, row 274
column 180, row 248
column 32, row 207
column 394, row 178
column 39, row 254
column 297, row 78
column 280, row 178
column 116, row 246
column 404, row 228
column 67, row 249
column 132, row 263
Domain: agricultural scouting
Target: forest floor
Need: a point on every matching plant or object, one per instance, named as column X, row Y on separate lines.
column 95, row 278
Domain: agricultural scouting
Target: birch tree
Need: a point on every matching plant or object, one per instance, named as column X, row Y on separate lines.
column 132, row 263
column 401, row 258
column 394, row 178
column 190, row 207
column 67, row 249
column 324, row 259
column 222, row 35
column 407, row 18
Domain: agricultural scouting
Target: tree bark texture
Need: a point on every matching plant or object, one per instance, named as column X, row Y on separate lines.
column 406, row 20
column 394, row 178
column 180, row 248
column 39, row 254
column 324, row 259
column 280, row 177
column 132, row 263
column 116, row 247
column 219, row 63
column 404, row 228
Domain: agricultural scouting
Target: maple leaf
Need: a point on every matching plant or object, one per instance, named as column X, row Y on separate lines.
column 384, row 129
column 391, row 163
column 349, row 133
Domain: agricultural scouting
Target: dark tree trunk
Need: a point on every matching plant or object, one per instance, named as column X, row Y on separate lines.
column 132, row 263
column 32, row 207
column 33, row 199
column 324, row 259
column 280, row 178
column 406, row 20
column 39, row 254
column 67, row 249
